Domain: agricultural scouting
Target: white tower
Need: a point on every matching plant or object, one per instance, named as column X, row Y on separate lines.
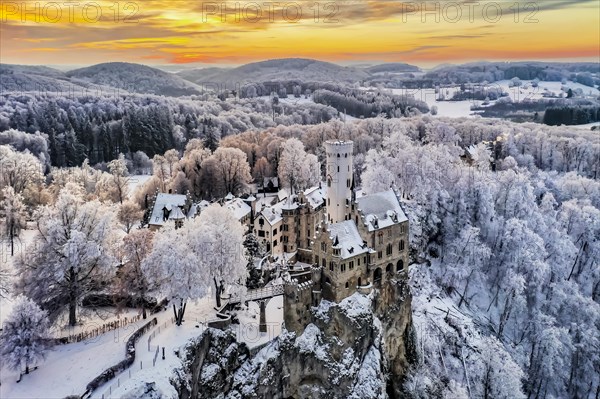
column 339, row 179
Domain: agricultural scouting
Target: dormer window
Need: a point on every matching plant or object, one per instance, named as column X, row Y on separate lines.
column 336, row 252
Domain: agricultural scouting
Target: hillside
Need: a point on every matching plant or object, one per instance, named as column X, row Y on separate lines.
column 33, row 78
column 392, row 67
column 276, row 70
column 135, row 78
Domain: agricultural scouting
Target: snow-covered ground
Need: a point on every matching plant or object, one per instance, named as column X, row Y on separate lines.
column 68, row 368
column 136, row 181
column 174, row 338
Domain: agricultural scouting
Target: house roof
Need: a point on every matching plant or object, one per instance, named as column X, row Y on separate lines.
column 381, row 210
column 239, row 208
column 349, row 240
column 315, row 196
column 176, row 214
column 162, row 201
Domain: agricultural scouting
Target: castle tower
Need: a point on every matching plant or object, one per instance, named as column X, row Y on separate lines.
column 339, row 179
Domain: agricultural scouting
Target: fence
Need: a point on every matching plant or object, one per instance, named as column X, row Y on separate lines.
column 106, row 327
column 126, row 375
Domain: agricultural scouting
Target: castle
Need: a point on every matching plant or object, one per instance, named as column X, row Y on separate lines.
column 355, row 242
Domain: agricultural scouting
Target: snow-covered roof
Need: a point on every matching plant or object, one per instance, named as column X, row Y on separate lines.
column 168, row 201
column 315, row 196
column 229, row 197
column 272, row 214
column 239, row 208
column 250, row 198
column 282, row 194
column 350, row 241
column 381, row 209
column 176, row 214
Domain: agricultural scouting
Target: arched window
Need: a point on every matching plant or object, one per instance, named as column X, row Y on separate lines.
column 389, row 268
column 400, row 265
column 338, row 155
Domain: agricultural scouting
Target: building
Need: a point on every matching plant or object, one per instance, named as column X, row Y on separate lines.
column 357, row 242
column 170, row 208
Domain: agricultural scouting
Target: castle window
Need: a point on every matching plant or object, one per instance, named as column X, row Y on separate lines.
column 331, row 266
column 328, row 182
column 323, row 262
column 338, row 168
column 348, row 182
column 336, row 251
column 358, row 262
column 346, row 284
column 380, row 254
column 346, row 155
column 343, row 267
column 285, row 227
column 323, row 247
column 401, row 246
column 400, row 265
column 328, row 203
column 402, row 228
column 261, row 233
column 338, row 155
column 275, row 243
column 388, row 250
column 285, row 238
column 351, row 265
column 275, row 232
column 380, row 238
column 316, row 259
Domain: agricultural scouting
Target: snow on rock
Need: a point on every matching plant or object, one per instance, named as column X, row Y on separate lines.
column 311, row 342
column 370, row 382
column 356, row 306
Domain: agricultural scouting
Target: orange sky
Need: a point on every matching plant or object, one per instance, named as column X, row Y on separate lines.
column 425, row 33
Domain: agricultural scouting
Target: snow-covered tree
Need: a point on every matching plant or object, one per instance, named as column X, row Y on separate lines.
column 172, row 268
column 25, row 334
column 233, row 171
column 18, row 169
column 223, row 237
column 129, row 214
column 71, row 255
column 120, row 179
column 137, row 245
column 297, row 169
column 13, row 212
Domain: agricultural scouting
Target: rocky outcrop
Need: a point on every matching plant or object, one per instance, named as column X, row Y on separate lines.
column 355, row 349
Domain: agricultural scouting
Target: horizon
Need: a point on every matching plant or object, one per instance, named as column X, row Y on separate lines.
column 423, row 33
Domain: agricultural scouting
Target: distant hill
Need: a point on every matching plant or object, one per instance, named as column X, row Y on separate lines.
column 393, row 67
column 202, row 75
column 278, row 70
column 34, row 78
column 135, row 78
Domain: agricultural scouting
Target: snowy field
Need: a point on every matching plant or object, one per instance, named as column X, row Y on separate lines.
column 135, row 182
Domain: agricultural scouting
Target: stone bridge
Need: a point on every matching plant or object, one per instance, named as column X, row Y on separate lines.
column 260, row 295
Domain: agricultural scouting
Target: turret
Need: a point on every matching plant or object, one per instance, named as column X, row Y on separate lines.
column 339, row 179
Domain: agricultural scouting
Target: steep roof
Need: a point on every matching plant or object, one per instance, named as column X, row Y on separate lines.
column 381, row 209
column 239, row 208
column 168, row 201
column 348, row 238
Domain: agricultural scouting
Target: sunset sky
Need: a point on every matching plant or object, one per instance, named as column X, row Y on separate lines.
column 425, row 33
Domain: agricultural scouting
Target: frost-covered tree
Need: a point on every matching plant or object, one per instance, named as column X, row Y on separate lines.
column 297, row 169
column 233, row 171
column 223, row 236
column 129, row 214
column 137, row 245
column 13, row 212
column 25, row 334
column 18, row 169
column 71, row 255
column 120, row 179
